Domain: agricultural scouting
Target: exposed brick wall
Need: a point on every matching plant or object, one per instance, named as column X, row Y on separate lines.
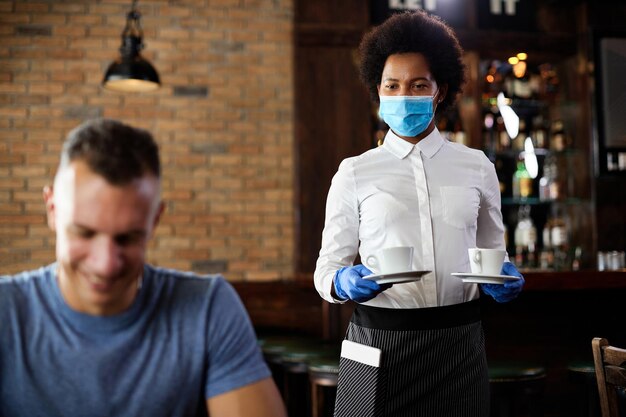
column 223, row 120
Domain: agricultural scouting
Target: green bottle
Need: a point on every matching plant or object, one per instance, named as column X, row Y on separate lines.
column 522, row 182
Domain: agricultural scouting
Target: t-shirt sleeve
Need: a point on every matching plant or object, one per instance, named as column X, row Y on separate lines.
column 234, row 357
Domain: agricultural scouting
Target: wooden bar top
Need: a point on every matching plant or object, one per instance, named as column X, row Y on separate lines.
column 295, row 304
column 573, row 280
column 535, row 281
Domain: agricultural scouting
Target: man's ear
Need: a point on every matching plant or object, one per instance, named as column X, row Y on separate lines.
column 48, row 198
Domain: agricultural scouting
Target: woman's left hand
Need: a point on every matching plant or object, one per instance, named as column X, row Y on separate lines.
column 510, row 289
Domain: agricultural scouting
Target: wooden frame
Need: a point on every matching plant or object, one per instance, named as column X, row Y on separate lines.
column 610, row 364
column 609, row 59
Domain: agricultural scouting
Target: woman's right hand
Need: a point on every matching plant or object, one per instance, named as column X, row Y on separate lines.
column 350, row 285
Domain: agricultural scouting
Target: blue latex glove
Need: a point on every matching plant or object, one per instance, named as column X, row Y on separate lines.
column 350, row 285
column 510, row 290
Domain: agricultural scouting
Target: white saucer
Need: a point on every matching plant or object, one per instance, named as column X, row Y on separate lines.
column 484, row 278
column 397, row 277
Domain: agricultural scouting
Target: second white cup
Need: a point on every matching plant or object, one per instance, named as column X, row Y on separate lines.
column 486, row 261
column 391, row 260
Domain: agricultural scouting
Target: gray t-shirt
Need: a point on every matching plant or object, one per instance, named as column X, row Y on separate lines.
column 184, row 339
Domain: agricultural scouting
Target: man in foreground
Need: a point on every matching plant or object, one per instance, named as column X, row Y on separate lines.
column 100, row 332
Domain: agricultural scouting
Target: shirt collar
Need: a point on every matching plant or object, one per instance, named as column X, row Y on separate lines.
column 400, row 148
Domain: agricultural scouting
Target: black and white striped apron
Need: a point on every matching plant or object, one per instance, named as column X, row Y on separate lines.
column 433, row 363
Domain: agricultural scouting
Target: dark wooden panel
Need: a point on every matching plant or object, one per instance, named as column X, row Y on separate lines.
column 283, row 306
column 332, row 12
column 500, row 45
column 333, row 121
column 330, row 37
column 568, row 281
column 332, row 109
column 611, row 213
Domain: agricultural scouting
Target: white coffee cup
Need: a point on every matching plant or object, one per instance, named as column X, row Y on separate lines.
column 486, row 261
column 391, row 260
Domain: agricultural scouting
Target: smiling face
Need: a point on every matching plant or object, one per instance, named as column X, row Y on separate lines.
column 102, row 231
column 408, row 74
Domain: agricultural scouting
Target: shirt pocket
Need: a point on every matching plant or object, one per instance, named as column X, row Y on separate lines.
column 460, row 206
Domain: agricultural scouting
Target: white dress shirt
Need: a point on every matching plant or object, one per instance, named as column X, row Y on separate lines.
column 438, row 196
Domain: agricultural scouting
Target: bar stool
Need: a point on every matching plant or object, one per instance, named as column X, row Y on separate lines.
column 586, row 402
column 273, row 348
column 295, row 363
column 323, row 376
column 516, row 389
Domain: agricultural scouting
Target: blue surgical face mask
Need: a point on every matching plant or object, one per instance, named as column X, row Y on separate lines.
column 407, row 115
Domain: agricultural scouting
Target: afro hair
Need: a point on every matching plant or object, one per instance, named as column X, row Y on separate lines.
column 418, row 32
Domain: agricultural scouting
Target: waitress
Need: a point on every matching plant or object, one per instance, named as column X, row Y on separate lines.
column 420, row 190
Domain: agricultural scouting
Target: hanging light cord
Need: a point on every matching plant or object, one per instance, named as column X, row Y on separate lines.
column 132, row 35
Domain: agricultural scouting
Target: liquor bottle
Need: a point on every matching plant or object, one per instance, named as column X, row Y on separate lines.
column 518, row 141
column 546, row 256
column 558, row 138
column 559, row 238
column 504, row 140
column 525, row 239
column 522, row 184
column 576, row 262
column 546, row 180
column 539, row 133
column 550, row 184
column 490, row 144
column 519, row 85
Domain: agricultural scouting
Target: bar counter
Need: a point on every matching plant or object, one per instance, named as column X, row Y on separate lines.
column 574, row 280
column 294, row 304
column 551, row 323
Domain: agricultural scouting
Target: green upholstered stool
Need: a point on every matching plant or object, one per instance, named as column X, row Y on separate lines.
column 323, row 376
column 295, row 365
column 585, row 401
column 273, row 348
column 516, row 389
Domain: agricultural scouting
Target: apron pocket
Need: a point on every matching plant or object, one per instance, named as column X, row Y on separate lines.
column 361, row 389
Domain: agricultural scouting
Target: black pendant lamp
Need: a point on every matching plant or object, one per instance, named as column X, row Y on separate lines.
column 131, row 72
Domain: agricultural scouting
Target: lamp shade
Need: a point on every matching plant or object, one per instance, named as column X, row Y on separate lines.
column 131, row 72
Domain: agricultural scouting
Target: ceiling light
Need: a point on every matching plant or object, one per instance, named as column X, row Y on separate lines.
column 131, row 72
column 519, row 69
column 530, row 159
column 513, row 60
column 511, row 119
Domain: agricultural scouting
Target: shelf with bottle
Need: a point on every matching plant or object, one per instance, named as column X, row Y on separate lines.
column 543, row 213
column 547, row 237
column 530, row 174
column 540, row 201
column 530, row 131
column 532, row 83
column 546, row 136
